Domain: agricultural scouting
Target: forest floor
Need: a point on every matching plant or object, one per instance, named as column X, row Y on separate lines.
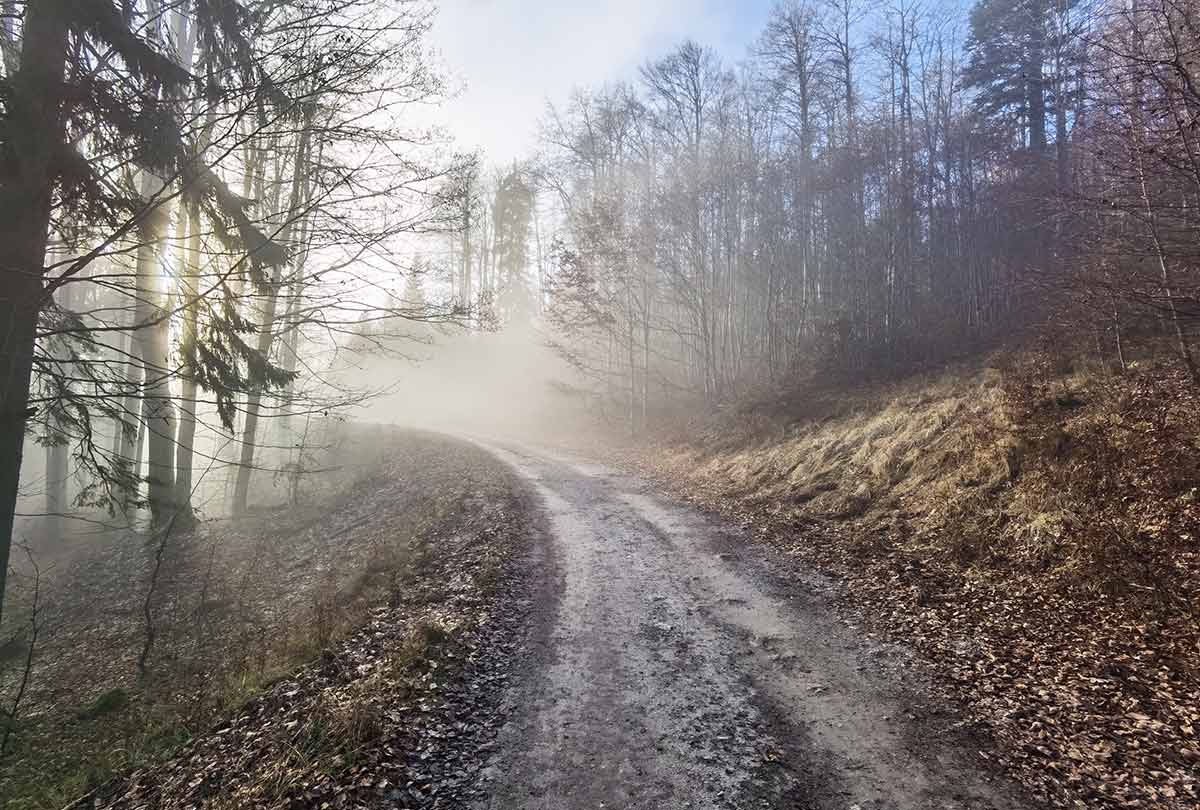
column 399, row 554
column 923, row 596
column 1028, row 533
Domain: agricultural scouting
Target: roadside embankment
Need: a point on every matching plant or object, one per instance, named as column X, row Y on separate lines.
column 314, row 653
column 1032, row 534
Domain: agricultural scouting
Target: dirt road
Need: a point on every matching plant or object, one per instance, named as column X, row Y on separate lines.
column 668, row 669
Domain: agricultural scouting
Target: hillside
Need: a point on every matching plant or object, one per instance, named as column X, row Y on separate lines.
column 1029, row 528
column 282, row 652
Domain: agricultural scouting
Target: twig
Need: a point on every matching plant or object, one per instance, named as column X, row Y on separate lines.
column 147, row 612
column 34, row 627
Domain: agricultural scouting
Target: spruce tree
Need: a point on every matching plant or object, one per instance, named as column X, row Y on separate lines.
column 54, row 96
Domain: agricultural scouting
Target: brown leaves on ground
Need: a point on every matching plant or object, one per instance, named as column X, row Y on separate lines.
column 412, row 548
column 399, row 713
column 1033, row 536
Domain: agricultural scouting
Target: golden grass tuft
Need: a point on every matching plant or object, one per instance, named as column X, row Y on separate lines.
column 992, row 465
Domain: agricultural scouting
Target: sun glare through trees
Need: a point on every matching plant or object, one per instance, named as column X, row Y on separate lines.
column 686, row 404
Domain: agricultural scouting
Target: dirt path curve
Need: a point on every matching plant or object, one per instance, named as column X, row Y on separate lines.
column 669, row 673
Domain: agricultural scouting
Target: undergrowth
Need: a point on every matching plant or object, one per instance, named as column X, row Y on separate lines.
column 230, row 650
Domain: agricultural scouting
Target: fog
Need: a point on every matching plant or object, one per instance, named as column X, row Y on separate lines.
column 505, row 383
column 283, row 283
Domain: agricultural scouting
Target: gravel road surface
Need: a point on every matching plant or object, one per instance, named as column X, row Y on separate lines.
column 670, row 666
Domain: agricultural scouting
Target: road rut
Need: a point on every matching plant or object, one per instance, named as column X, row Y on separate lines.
column 669, row 672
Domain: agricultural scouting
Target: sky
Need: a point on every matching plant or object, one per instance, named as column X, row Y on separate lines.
column 511, row 56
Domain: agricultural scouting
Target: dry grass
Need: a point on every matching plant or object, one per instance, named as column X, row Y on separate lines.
column 985, row 467
column 1030, row 528
column 877, row 452
column 378, row 716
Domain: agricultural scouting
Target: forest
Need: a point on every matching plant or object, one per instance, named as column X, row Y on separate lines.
column 922, row 271
column 879, row 190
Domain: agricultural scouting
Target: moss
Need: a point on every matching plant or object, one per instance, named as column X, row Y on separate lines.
column 114, row 700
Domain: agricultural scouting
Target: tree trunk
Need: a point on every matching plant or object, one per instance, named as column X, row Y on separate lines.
column 187, row 409
column 152, row 338
column 125, row 443
column 267, row 328
column 188, row 215
column 1166, row 279
column 1035, row 89
column 1116, row 319
column 26, row 185
column 291, row 330
column 57, row 449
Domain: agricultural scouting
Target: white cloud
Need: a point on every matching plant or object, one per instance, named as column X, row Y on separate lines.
column 515, row 54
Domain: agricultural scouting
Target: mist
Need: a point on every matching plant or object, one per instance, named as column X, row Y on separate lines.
column 510, row 383
column 686, row 404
